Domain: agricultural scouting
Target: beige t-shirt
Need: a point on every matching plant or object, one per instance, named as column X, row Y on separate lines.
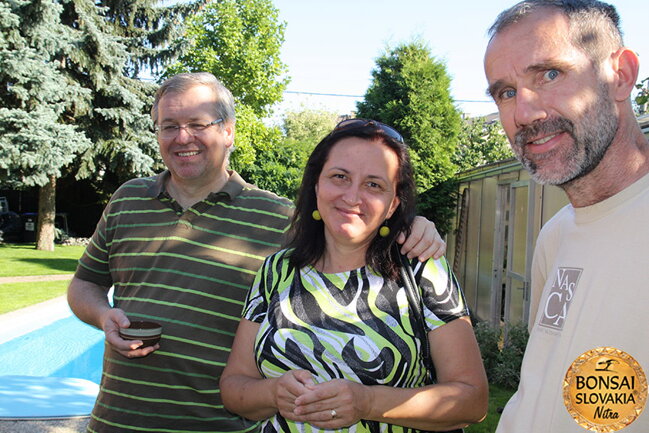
column 590, row 275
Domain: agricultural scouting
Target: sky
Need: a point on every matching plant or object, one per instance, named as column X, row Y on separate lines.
column 331, row 46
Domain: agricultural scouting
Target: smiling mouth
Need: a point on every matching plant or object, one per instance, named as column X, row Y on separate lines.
column 188, row 153
column 544, row 139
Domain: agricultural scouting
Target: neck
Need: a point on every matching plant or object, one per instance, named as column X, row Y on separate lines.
column 187, row 193
column 341, row 258
column 625, row 161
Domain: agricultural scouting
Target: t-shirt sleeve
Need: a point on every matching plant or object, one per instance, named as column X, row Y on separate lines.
column 93, row 265
column 256, row 306
column 442, row 296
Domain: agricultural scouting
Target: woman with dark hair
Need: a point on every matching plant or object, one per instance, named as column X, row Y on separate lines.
column 328, row 339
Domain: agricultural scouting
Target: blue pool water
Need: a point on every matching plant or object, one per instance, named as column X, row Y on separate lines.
column 66, row 348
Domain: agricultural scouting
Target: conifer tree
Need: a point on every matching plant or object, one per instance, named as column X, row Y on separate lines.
column 77, row 62
column 410, row 90
column 35, row 144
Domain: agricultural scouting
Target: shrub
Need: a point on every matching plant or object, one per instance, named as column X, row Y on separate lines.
column 488, row 339
column 502, row 356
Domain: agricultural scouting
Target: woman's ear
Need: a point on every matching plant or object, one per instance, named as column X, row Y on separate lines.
column 393, row 207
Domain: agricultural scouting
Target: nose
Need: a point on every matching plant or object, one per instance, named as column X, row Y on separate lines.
column 529, row 107
column 184, row 135
column 351, row 195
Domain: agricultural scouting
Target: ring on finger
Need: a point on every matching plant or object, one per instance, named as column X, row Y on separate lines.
column 334, row 414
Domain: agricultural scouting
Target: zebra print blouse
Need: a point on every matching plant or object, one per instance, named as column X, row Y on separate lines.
column 350, row 325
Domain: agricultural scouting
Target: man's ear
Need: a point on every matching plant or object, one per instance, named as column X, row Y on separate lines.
column 625, row 64
column 228, row 130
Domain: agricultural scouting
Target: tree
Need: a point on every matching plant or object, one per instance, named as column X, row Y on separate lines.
column 147, row 35
column 35, row 144
column 642, row 98
column 86, row 53
column 309, row 126
column 281, row 168
column 239, row 41
column 410, row 90
column 481, row 142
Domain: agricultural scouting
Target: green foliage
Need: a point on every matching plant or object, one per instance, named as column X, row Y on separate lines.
column 410, row 90
column 488, row 338
column 481, row 143
column 502, row 357
column 238, row 41
column 309, row 126
column 71, row 104
column 281, row 168
column 642, row 98
column 35, row 142
column 253, row 140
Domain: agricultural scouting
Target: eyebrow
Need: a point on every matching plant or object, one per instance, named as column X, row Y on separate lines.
column 495, row 87
column 369, row 176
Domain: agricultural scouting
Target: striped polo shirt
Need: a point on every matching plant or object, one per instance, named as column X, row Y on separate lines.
column 190, row 271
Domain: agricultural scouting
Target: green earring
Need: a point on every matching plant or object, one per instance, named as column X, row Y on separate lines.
column 316, row 215
column 384, row 231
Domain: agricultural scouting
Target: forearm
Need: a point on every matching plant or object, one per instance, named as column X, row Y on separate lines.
column 88, row 301
column 435, row 407
column 251, row 398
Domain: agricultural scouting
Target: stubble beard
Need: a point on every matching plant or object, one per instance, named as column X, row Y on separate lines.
column 591, row 134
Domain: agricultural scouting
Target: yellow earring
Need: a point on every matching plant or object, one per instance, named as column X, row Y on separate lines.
column 384, row 231
column 316, row 215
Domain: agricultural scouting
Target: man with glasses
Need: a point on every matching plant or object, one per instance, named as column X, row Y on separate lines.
column 181, row 249
column 562, row 79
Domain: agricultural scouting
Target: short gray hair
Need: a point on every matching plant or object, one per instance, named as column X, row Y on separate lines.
column 224, row 106
column 595, row 25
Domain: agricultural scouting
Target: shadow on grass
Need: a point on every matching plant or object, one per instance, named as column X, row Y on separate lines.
column 63, row 265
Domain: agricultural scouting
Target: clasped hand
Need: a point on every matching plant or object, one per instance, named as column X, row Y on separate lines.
column 333, row 404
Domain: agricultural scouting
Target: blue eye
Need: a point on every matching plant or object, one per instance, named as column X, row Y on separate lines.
column 551, row 75
column 507, row 94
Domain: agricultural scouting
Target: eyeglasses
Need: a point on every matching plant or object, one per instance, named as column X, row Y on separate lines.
column 169, row 131
column 387, row 130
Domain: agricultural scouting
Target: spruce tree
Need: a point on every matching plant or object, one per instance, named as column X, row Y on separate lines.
column 85, row 56
column 36, row 144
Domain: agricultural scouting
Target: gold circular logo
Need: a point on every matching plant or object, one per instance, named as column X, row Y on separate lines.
column 605, row 390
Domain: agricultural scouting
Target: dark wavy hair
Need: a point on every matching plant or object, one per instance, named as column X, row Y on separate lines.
column 306, row 235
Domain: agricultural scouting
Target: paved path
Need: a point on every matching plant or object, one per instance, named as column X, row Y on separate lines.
column 28, row 279
column 71, row 425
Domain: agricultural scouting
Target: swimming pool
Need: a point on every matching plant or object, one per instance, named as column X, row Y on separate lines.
column 65, row 348
column 50, row 363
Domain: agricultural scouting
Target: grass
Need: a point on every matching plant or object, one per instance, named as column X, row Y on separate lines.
column 14, row 296
column 498, row 397
column 24, row 259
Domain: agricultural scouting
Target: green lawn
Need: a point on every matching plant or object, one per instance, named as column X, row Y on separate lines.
column 24, row 259
column 14, row 296
column 498, row 397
